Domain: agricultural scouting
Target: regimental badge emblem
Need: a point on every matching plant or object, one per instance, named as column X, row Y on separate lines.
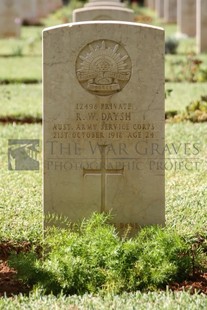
column 103, row 67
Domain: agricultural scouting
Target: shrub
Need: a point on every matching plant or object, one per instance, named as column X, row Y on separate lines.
column 92, row 258
column 171, row 45
column 196, row 111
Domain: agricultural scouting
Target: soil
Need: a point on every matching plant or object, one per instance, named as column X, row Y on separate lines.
column 25, row 120
column 10, row 286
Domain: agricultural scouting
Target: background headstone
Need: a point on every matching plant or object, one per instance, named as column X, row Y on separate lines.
column 29, row 11
column 151, row 4
column 186, row 17
column 104, row 3
column 103, row 10
column 104, row 121
column 201, row 26
column 159, row 7
column 10, row 22
column 170, row 11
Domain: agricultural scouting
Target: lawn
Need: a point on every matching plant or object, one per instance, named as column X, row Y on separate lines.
column 182, row 94
column 151, row 301
column 21, row 191
column 21, row 100
column 20, row 69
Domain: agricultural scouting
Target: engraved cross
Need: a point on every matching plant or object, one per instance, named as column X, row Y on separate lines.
column 103, row 172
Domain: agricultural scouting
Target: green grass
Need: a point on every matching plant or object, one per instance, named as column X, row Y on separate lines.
column 182, row 94
column 21, row 191
column 127, row 301
column 21, row 100
column 21, row 69
column 29, row 44
column 186, row 189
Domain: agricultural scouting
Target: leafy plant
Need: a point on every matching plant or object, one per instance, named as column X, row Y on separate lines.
column 171, row 45
column 190, row 69
column 195, row 112
column 17, row 51
column 91, row 257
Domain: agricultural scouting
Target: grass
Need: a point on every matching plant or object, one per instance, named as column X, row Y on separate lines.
column 21, row 70
column 29, row 44
column 126, row 301
column 21, row 100
column 21, row 205
column 182, row 94
column 186, row 189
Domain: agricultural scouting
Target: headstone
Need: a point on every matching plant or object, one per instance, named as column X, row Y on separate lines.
column 201, row 26
column 29, row 11
column 104, row 121
column 10, row 22
column 186, row 17
column 58, row 4
column 151, row 4
column 104, row 3
column 170, row 11
column 42, row 8
column 159, row 7
column 103, row 10
column 54, row 5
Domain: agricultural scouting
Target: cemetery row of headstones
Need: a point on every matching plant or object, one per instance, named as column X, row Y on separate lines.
column 15, row 12
column 190, row 16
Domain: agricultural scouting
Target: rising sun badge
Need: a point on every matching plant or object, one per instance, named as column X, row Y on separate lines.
column 103, row 67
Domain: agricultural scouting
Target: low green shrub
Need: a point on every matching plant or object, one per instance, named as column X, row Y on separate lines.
column 195, row 111
column 191, row 69
column 91, row 257
column 171, row 45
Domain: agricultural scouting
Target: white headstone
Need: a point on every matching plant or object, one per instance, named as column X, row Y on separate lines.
column 170, row 11
column 151, row 4
column 29, row 11
column 159, row 7
column 104, row 3
column 201, row 26
column 10, row 22
column 186, row 17
column 104, row 121
column 103, row 10
column 42, row 8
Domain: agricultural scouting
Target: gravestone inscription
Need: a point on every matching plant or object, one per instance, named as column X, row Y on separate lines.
column 104, row 121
